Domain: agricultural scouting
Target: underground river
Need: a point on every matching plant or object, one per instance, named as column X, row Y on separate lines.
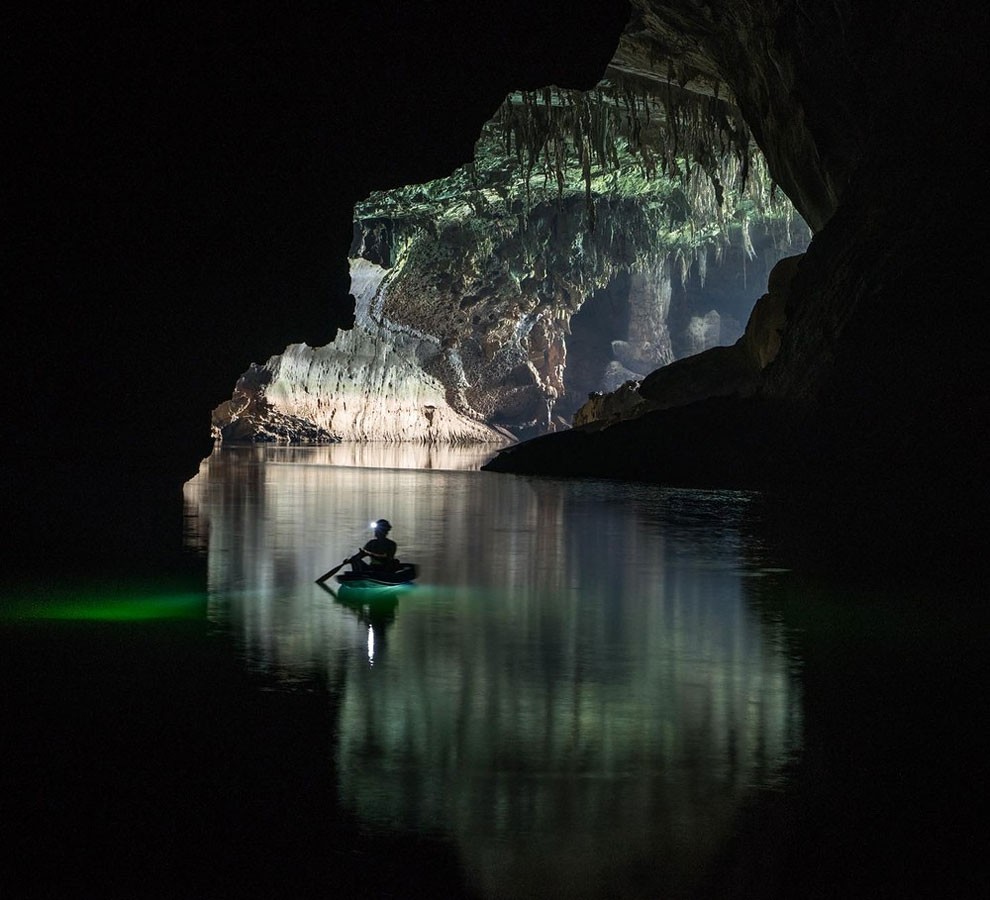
column 594, row 689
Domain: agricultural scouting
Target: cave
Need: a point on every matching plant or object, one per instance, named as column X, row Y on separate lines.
column 589, row 346
column 243, row 196
column 479, row 282
column 194, row 196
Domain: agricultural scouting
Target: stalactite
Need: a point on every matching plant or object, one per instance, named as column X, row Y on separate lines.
column 677, row 169
column 696, row 136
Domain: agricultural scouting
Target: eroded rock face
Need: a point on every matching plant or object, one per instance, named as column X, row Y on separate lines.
column 625, row 402
column 370, row 385
column 475, row 329
column 584, row 247
column 793, row 70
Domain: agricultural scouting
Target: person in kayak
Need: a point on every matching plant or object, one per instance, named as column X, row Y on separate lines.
column 380, row 551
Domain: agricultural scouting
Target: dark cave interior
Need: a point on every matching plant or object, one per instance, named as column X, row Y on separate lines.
column 182, row 206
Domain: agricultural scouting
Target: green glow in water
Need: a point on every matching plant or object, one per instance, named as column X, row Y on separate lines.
column 369, row 591
column 113, row 603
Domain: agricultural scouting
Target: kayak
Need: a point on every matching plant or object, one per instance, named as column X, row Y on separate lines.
column 404, row 574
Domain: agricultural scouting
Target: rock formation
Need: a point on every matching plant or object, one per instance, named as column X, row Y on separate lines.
column 719, row 371
column 174, row 191
column 581, row 249
column 368, row 386
column 865, row 417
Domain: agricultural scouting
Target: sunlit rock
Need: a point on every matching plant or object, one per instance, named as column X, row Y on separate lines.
column 712, row 330
column 726, row 371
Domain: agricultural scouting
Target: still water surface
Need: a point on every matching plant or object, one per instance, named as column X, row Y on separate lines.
column 575, row 693
column 594, row 690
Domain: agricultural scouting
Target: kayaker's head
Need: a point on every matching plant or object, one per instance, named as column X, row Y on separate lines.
column 382, row 527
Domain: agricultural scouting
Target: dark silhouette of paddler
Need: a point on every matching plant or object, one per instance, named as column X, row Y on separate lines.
column 380, row 551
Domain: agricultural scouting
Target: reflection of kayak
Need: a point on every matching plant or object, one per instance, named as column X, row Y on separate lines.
column 372, row 603
column 371, row 578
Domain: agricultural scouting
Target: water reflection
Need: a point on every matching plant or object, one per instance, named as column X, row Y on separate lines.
column 375, row 607
column 575, row 692
column 371, row 455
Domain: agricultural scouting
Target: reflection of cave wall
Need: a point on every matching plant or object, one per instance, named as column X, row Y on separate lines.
column 494, row 707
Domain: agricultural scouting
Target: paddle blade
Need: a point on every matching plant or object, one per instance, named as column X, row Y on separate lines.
column 331, row 573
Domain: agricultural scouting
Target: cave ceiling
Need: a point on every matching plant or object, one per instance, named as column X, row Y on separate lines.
column 572, row 254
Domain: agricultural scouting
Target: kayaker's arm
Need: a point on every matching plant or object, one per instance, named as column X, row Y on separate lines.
column 367, row 552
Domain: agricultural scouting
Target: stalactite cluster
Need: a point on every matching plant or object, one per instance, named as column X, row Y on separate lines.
column 570, row 193
column 677, row 137
column 682, row 168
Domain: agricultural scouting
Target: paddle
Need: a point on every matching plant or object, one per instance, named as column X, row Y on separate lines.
column 332, row 572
